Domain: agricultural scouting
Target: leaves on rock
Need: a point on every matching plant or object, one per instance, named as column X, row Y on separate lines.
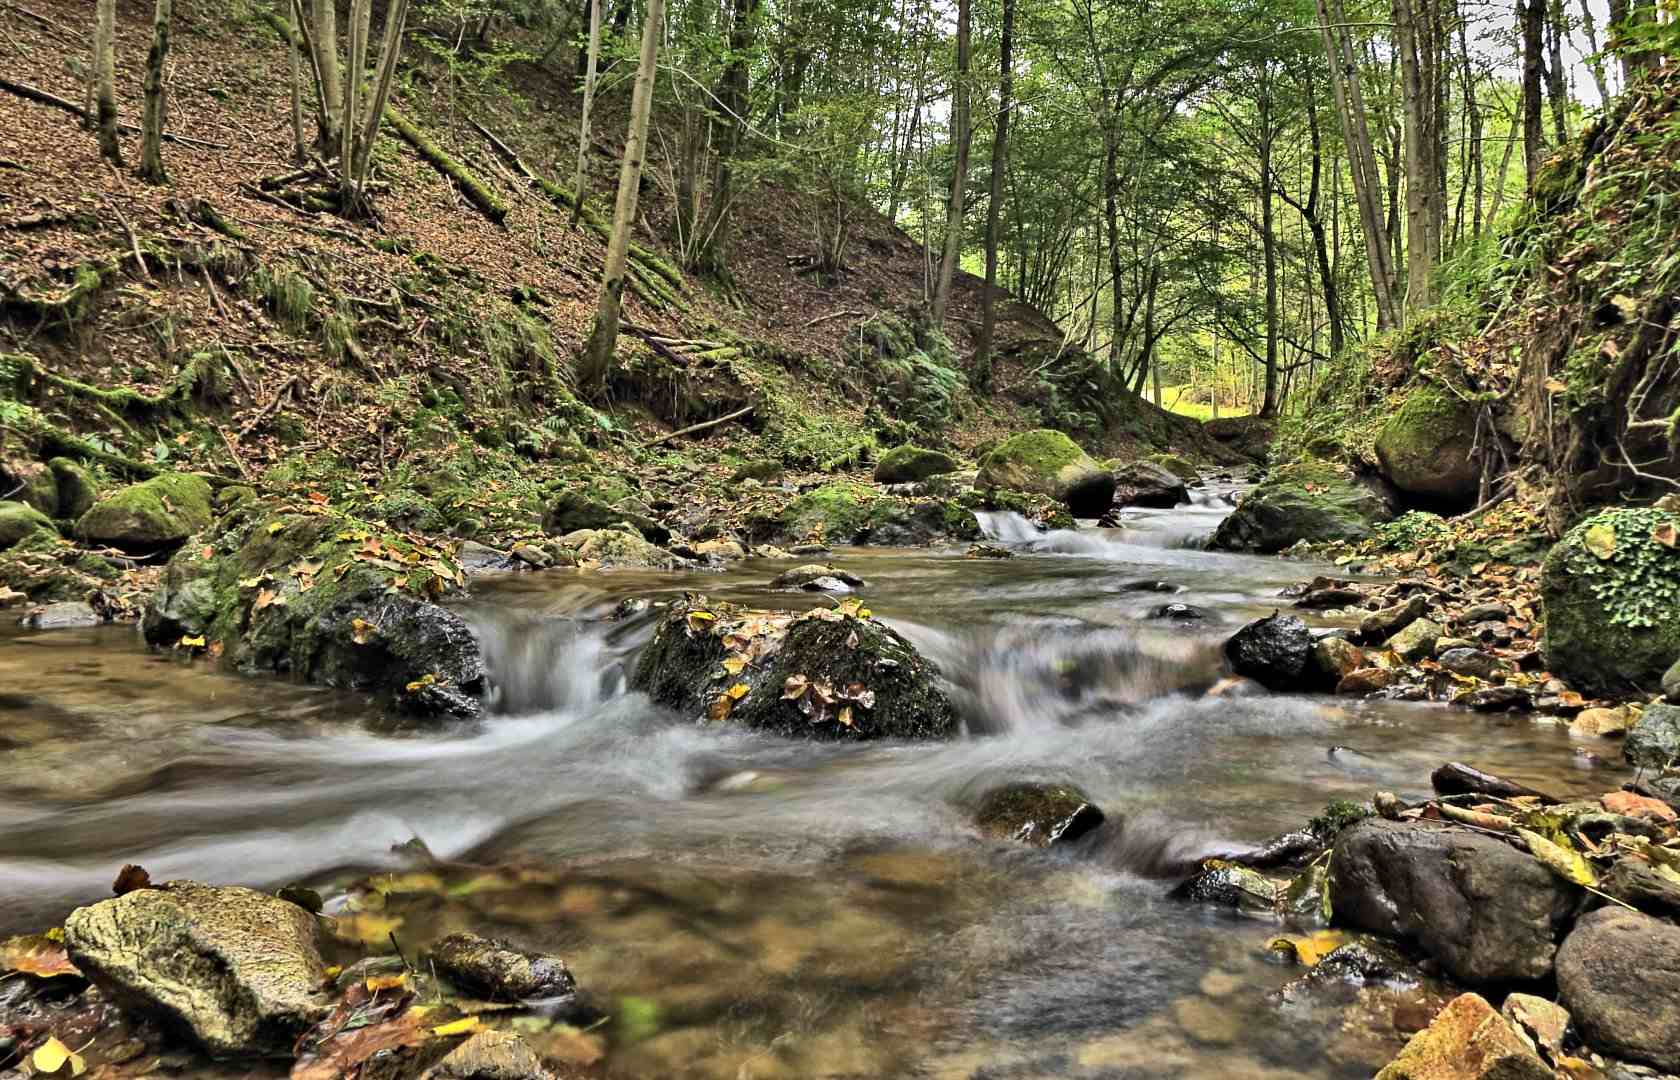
column 41, row 955
column 53, row 1057
column 1600, row 540
column 130, row 878
column 1559, row 858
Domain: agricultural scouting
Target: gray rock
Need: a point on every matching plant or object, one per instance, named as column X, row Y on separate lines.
column 1473, row 662
column 908, row 464
column 573, row 511
column 1634, row 881
column 1144, row 483
column 490, row 1055
column 234, row 968
column 1384, row 624
column 1488, row 912
column 499, row 971
column 477, row 558
column 67, row 615
column 1671, row 683
column 1417, row 640
column 19, row 521
column 1178, row 613
column 1037, row 814
column 815, row 578
column 1484, row 612
column 1274, row 651
column 1467, row 1040
column 1234, row 887
column 1490, row 699
column 1618, row 974
column 1655, row 740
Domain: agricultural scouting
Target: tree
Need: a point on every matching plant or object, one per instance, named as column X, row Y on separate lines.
column 105, row 79
column 1416, row 32
column 962, row 134
column 328, row 84
column 994, row 207
column 151, row 123
column 731, row 98
column 592, row 64
column 603, row 338
column 1531, row 15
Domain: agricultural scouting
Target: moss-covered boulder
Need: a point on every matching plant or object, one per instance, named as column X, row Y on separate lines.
column 1610, row 590
column 908, row 464
column 830, row 673
column 30, row 483
column 1309, row 500
column 571, row 511
column 327, row 599
column 847, row 512
column 19, row 521
column 77, row 489
column 151, row 516
column 1177, row 466
column 760, row 469
column 1425, row 448
column 1047, row 462
column 619, row 548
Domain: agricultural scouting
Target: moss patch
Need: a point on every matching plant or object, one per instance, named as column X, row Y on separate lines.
column 18, row 521
column 150, row 516
column 909, row 463
column 1308, row 500
column 1049, row 463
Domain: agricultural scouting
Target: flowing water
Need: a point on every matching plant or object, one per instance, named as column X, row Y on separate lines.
column 751, row 907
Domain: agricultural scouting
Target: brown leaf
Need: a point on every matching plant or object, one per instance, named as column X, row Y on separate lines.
column 1665, row 534
column 36, row 954
column 130, row 879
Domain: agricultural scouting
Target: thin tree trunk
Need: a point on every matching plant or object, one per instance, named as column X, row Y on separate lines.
column 329, row 80
column 1000, row 154
column 1595, row 62
column 963, row 133
column 105, row 79
column 1268, row 242
column 396, row 18
column 1557, row 88
column 1533, row 26
column 732, row 99
column 300, row 152
column 1417, row 101
column 603, row 339
column 591, row 71
column 152, row 116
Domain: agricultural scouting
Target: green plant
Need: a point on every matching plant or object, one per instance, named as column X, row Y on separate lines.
column 1629, row 559
column 1415, row 528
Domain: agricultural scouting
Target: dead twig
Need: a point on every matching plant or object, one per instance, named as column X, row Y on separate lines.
column 834, row 315
column 270, row 409
column 233, row 451
column 693, row 428
column 41, row 97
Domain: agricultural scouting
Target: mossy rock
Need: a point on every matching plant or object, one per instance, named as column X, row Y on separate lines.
column 31, row 483
column 77, row 488
column 846, row 512
column 151, row 516
column 619, row 548
column 838, row 674
column 19, row 521
column 1425, row 448
column 1047, row 462
column 908, row 464
column 1177, row 466
column 1310, row 500
column 1611, row 601
column 572, row 510
column 761, row 469
column 1037, row 814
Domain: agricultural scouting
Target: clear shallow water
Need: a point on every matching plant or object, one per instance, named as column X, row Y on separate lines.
column 789, row 909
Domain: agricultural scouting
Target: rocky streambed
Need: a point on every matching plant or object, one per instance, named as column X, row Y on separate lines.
column 902, row 813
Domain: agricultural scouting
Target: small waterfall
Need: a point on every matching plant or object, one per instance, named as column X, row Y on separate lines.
column 1006, row 527
column 539, row 664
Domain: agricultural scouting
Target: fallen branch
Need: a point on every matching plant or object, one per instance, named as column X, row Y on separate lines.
column 693, row 428
column 41, row 97
column 1475, row 818
column 233, row 452
column 833, row 315
column 270, row 409
column 470, row 186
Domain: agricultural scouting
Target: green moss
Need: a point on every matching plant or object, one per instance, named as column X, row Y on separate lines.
column 834, row 513
column 1337, row 815
column 909, row 463
column 1415, row 528
column 18, row 521
column 77, row 488
column 1611, row 596
column 1176, row 465
column 145, row 517
column 1041, row 453
column 1309, row 500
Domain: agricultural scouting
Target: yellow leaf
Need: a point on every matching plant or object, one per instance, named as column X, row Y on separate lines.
column 1600, row 540
column 264, row 599
column 53, row 1055
column 376, row 983
column 367, row 927
column 463, row 1026
column 1554, row 386
column 719, row 708
column 361, row 631
column 845, row 716
column 734, row 664
column 191, row 642
column 1565, row 862
column 738, row 691
column 1310, row 949
column 275, row 526
column 428, row 679
column 795, row 687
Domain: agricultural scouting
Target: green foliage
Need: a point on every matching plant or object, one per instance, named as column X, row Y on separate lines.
column 1338, row 814
column 289, row 295
column 1414, row 529
column 1633, row 575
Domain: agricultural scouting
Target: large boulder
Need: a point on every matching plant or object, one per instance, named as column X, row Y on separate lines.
column 1618, row 973
column 831, row 673
column 148, row 517
column 77, row 488
column 847, row 512
column 1467, row 1040
column 1611, row 594
column 1276, row 652
column 619, row 548
column 1654, row 739
column 1145, row 483
column 1177, row 466
column 1425, row 448
column 1486, row 911
column 19, row 521
column 1045, row 462
column 234, row 969
column 573, row 511
column 31, row 483
column 908, row 464
column 1309, row 500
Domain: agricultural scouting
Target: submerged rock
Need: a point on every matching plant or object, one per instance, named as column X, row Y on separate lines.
column 235, row 969
column 1045, row 462
column 149, row 517
column 832, row 673
column 1467, row 1040
column 64, row 615
column 1425, row 448
column 1275, row 651
column 1145, row 483
column 1618, row 974
column 813, row 577
column 490, row 1055
column 499, row 971
column 1037, row 814
column 908, row 464
column 1224, row 884
column 1310, row 500
column 1486, row 911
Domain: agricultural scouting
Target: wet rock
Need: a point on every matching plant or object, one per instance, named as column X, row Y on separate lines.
column 1636, row 882
column 1445, row 645
column 573, row 511
column 1049, row 463
column 726, row 550
column 533, row 556
column 490, row 1055
column 1335, row 658
column 235, row 969
column 1176, row 465
column 1467, row 1040
column 1588, row 641
column 1416, row 641
column 19, row 521
column 908, row 464
column 1144, row 483
column 477, row 558
column 815, row 578
column 1037, row 814
column 149, row 517
column 1274, row 651
column 1654, row 740
column 1384, row 624
column 1492, row 699
column 1425, row 448
column 1618, row 974
column 1602, row 722
column 1366, row 960
column 1178, row 613
column 1150, row 586
column 1368, row 680
column 498, row 971
column 1488, row 912
column 827, row 673
column 620, row 548
column 1493, row 632
column 847, row 512
column 1457, row 778
column 1311, row 501
column 1224, row 884
column 1497, row 611
column 65, row 615
column 77, row 488
column 1671, row 683
column 1331, row 597
column 1544, row 1022
column 1472, row 662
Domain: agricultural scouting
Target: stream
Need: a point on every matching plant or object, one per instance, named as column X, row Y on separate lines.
column 783, row 909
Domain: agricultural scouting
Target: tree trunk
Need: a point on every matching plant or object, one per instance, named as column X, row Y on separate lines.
column 994, row 208
column 713, row 255
column 1417, row 93
column 962, row 132
column 300, row 152
column 591, row 70
column 1268, row 243
column 1557, row 88
column 1595, row 62
column 330, row 82
column 1533, row 26
column 152, row 116
column 603, row 339
column 105, row 79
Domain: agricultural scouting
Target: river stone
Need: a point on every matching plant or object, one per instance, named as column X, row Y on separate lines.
column 1488, row 912
column 1037, row 814
column 1366, row 680
column 1311, row 500
column 907, row 464
column 477, row 558
column 825, row 674
column 1045, row 462
column 619, row 548
column 1671, row 683
column 31, row 483
column 1601, row 721
column 1472, row 662
column 1654, row 740
column 1618, row 974
column 1384, row 624
column 813, row 577
column 1177, row 466
column 149, row 517
column 1634, row 881
column 1225, row 884
column 77, row 489
column 763, row 470
column 1144, row 483
column 498, row 971
column 64, row 615
column 1543, row 1021
column 1274, row 651
column 18, row 521
column 1335, row 658
column 1417, row 640
column 490, row 1055
column 234, row 968
column 727, row 550
column 573, row 511
column 1424, row 449
column 1467, row 1040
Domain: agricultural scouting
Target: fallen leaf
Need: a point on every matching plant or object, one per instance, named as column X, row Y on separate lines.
column 376, row 983
column 795, row 687
column 1308, row 950
column 734, row 664
column 1600, row 540
column 191, row 642
column 52, row 1055
column 1565, row 862
column 131, row 878
column 720, row 708
column 1555, row 386
column 737, row 692
column 845, row 716
column 265, row 599
column 36, row 954
column 275, row 526
column 1665, row 534
column 463, row 1026
column 362, row 631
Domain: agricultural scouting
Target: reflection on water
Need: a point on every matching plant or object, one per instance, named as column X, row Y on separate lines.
column 789, row 909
